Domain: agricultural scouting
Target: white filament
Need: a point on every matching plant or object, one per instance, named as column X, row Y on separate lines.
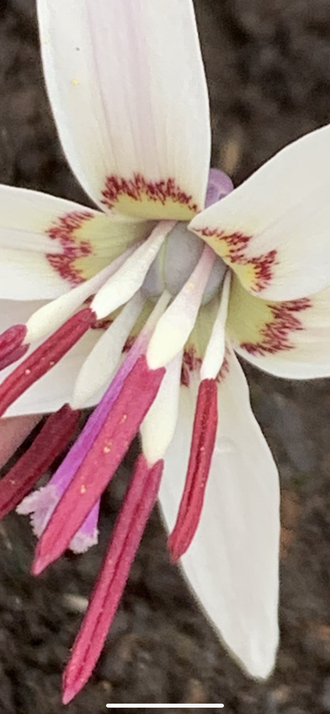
column 158, row 426
column 215, row 351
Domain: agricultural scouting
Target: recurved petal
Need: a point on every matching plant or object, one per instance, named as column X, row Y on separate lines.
column 128, row 92
column 48, row 244
column 288, row 339
column 274, row 230
column 232, row 563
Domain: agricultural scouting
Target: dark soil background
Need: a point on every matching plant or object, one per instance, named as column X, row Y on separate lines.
column 268, row 66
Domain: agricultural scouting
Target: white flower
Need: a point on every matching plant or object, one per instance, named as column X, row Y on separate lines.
column 183, row 287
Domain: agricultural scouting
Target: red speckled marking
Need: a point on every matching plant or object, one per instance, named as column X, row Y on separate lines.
column 63, row 231
column 263, row 267
column 139, row 189
column 275, row 335
column 237, row 243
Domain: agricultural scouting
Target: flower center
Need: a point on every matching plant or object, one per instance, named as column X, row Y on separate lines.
column 176, row 261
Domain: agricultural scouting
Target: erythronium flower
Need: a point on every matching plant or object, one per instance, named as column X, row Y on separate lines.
column 176, row 287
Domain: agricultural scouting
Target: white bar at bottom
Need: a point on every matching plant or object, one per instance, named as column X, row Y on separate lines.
column 165, row 706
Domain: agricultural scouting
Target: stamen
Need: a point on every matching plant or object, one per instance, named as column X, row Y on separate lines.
column 121, row 425
column 139, row 501
column 44, row 357
column 11, row 345
column 216, row 348
column 50, row 442
column 203, row 440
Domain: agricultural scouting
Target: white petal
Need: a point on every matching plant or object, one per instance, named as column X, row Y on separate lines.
column 25, row 217
column 288, row 339
column 48, row 244
column 232, row 563
column 274, row 230
column 129, row 96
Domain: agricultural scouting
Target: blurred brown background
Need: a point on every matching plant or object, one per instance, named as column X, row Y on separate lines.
column 268, row 67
